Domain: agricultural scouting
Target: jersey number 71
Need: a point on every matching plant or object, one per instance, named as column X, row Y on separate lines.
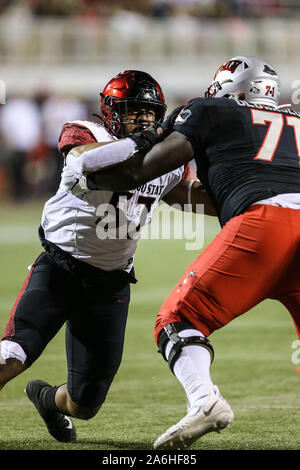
column 276, row 123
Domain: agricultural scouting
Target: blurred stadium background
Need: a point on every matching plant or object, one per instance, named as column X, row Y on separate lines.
column 56, row 56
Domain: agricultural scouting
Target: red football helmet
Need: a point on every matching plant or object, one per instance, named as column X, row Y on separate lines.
column 130, row 90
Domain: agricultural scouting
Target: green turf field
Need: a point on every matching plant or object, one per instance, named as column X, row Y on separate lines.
column 253, row 366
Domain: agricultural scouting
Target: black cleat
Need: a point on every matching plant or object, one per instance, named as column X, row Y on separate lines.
column 59, row 425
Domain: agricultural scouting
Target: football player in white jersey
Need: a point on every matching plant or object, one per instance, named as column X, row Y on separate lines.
column 82, row 278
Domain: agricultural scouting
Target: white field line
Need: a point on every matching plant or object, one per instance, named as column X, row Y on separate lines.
column 241, row 408
column 170, row 407
column 156, row 296
column 145, row 357
column 24, row 233
column 28, row 233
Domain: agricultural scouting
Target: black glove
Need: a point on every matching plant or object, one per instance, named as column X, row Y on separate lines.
column 145, row 139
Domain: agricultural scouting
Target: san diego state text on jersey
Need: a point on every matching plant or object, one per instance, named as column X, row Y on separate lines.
column 244, row 153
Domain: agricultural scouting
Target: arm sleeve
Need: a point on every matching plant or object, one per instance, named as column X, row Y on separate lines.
column 73, row 135
column 90, row 158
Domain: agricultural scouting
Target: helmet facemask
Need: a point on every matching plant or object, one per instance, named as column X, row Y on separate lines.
column 133, row 112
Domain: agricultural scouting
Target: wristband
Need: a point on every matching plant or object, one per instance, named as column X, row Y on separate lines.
column 144, row 140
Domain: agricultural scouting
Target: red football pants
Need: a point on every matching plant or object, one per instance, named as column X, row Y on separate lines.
column 254, row 257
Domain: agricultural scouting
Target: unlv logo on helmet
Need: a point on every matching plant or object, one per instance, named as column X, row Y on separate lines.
column 231, row 65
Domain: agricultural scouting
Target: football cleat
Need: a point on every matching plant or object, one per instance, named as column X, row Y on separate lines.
column 59, row 425
column 213, row 415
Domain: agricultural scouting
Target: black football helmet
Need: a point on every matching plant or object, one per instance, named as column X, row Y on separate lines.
column 129, row 91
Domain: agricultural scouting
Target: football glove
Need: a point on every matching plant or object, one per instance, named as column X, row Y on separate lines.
column 145, row 139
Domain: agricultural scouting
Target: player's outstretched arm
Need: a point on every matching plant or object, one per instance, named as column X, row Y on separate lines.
column 164, row 157
column 89, row 158
column 193, row 193
column 93, row 157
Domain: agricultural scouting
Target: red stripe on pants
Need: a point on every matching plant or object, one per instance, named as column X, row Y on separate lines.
column 10, row 326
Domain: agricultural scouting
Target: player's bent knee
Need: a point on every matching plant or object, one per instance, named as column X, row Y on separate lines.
column 83, row 412
column 88, row 396
column 81, row 407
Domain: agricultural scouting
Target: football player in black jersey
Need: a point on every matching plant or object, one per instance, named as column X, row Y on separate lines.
column 247, row 151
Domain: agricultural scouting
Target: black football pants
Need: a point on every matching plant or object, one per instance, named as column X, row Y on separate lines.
column 94, row 304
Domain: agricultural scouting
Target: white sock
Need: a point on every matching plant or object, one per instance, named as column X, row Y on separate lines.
column 192, row 369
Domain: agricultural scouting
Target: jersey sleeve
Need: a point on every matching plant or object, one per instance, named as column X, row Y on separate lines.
column 192, row 121
column 73, row 135
column 86, row 159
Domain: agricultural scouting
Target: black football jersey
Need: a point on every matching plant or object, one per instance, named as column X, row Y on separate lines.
column 244, row 152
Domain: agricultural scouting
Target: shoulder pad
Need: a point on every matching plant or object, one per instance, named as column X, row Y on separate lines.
column 98, row 130
column 76, row 133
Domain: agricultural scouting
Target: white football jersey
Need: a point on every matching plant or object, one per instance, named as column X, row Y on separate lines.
column 77, row 221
